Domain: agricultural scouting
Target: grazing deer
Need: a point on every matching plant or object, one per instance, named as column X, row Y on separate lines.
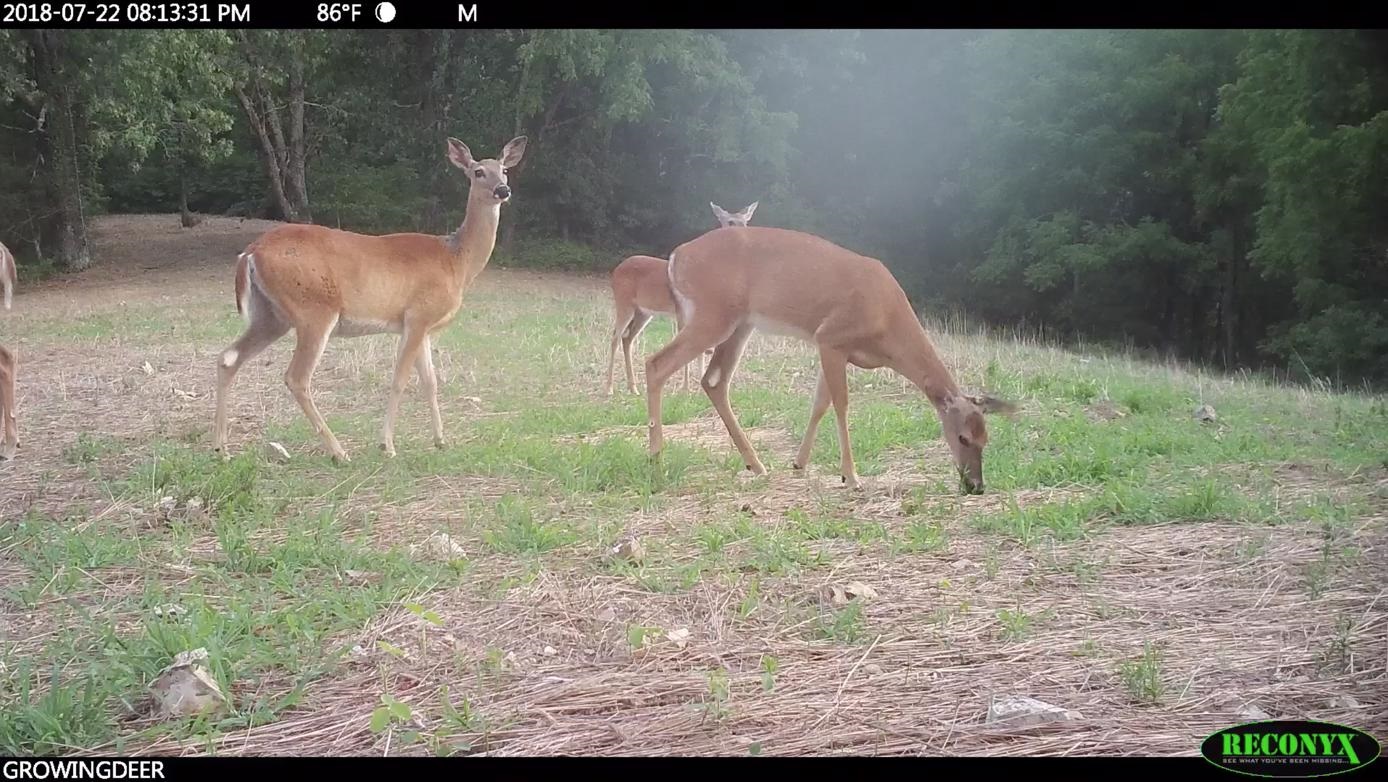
column 640, row 291
column 326, row 283
column 729, row 282
column 9, row 365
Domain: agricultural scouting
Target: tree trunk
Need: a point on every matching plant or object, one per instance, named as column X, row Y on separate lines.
column 70, row 226
column 268, row 157
column 298, row 178
column 284, row 158
column 1228, row 303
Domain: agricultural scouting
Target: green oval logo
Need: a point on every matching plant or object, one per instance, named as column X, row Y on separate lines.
column 1290, row 749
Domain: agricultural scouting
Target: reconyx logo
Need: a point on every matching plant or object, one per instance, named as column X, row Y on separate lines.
column 1290, row 749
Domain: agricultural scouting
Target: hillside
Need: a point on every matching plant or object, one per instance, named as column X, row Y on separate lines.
column 1161, row 574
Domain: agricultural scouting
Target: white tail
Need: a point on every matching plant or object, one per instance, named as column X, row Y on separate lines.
column 9, row 364
column 327, row 283
column 733, row 281
column 641, row 290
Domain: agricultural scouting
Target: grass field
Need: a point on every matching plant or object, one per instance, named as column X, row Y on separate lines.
column 1159, row 575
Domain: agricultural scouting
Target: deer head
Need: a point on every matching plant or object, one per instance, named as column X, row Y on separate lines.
column 962, row 422
column 735, row 218
column 487, row 177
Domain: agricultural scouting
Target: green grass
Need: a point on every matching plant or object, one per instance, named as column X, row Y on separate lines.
column 542, row 475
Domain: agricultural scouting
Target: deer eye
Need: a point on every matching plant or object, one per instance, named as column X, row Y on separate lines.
column 479, row 173
column 963, row 440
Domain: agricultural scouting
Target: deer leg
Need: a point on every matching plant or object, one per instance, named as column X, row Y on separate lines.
column 262, row 332
column 634, row 329
column 9, row 367
column 619, row 330
column 312, row 341
column 681, row 350
column 716, row 381
column 834, row 371
column 679, row 326
column 428, row 379
column 817, row 410
column 410, row 342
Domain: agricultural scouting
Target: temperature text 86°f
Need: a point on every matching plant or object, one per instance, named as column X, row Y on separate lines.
column 337, row 12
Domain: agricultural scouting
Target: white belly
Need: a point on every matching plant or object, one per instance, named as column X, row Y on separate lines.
column 360, row 327
column 768, row 326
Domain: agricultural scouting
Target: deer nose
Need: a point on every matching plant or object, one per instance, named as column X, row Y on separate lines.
column 502, row 191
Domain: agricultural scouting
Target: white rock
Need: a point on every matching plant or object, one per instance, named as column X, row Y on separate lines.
column 186, row 688
column 1252, row 713
column 440, row 545
column 1019, row 710
column 277, row 452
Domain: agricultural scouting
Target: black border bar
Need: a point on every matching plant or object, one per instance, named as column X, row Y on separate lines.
column 633, row 14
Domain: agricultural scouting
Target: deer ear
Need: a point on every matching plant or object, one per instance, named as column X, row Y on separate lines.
column 718, row 211
column 459, row 154
column 747, row 213
column 514, row 150
column 991, row 404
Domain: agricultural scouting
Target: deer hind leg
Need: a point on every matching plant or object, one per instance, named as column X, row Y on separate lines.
column 716, row 380
column 428, row 380
column 661, row 365
column 312, row 341
column 264, row 330
column 410, row 343
column 9, row 367
column 633, row 332
column 834, row 369
column 817, row 410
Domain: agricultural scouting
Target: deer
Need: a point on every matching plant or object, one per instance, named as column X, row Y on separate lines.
column 327, row 283
column 729, row 282
column 640, row 292
column 9, row 364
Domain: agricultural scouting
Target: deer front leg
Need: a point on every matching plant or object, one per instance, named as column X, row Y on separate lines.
column 410, row 342
column 817, row 410
column 428, row 380
column 834, row 368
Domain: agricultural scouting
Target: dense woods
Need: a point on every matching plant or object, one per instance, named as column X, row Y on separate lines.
column 1217, row 194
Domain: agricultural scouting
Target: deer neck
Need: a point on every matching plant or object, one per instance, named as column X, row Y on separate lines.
column 472, row 244
column 920, row 364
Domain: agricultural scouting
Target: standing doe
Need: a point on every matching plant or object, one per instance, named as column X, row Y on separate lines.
column 729, row 282
column 641, row 290
column 9, row 365
column 326, row 283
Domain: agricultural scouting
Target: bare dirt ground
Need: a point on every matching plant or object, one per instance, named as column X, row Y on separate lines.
column 1154, row 635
